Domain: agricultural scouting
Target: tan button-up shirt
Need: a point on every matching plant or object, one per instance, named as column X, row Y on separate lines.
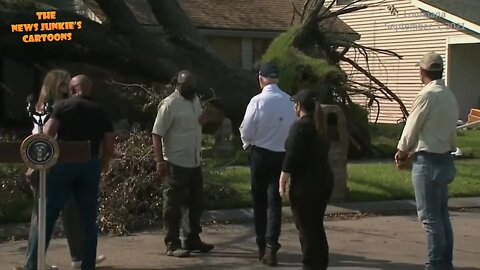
column 432, row 124
column 178, row 124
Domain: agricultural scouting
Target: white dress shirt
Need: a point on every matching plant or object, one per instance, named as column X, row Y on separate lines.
column 268, row 119
column 432, row 124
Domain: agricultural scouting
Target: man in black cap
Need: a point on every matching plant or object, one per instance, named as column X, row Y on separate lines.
column 264, row 129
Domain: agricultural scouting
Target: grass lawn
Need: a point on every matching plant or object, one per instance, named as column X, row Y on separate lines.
column 373, row 181
column 382, row 181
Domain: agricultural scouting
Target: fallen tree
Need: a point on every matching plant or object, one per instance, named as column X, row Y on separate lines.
column 308, row 58
column 124, row 45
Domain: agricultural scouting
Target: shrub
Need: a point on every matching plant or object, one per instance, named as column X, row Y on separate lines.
column 130, row 194
column 131, row 197
column 15, row 194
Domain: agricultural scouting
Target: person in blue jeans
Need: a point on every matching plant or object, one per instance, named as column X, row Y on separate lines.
column 55, row 87
column 427, row 141
column 77, row 119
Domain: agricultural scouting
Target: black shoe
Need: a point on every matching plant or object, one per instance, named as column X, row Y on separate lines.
column 306, row 267
column 261, row 253
column 270, row 257
column 199, row 246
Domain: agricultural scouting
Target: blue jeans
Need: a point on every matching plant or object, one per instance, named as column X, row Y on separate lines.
column 431, row 174
column 81, row 180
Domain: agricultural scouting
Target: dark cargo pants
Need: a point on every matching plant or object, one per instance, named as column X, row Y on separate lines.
column 184, row 188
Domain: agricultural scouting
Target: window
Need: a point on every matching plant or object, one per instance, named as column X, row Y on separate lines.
column 229, row 49
column 343, row 2
column 260, row 46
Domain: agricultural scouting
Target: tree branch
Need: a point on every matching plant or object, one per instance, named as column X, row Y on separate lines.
column 383, row 86
column 382, row 51
column 341, row 12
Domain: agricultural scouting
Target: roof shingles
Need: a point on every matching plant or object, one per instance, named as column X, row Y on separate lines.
column 250, row 15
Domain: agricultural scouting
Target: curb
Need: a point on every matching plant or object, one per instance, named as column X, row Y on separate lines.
column 20, row 231
column 379, row 207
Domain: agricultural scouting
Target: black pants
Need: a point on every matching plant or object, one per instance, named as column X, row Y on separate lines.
column 184, row 188
column 265, row 171
column 71, row 222
column 308, row 203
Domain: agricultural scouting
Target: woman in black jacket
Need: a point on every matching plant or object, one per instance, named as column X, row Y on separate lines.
column 311, row 178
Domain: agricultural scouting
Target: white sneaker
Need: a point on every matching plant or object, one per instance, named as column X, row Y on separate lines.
column 99, row 260
column 47, row 267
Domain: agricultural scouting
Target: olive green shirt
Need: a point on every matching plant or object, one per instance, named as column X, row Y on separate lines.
column 178, row 124
column 432, row 124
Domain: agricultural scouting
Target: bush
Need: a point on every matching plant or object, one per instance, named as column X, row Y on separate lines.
column 131, row 197
column 130, row 194
column 15, row 194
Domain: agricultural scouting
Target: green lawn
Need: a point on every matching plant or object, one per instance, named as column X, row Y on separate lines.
column 373, row 181
column 382, row 181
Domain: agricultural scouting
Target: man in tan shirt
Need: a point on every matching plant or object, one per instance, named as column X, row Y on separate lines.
column 177, row 137
column 429, row 138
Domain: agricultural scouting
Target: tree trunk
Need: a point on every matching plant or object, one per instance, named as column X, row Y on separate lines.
column 125, row 46
column 176, row 22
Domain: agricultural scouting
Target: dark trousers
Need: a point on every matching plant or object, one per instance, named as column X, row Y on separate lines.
column 265, row 171
column 71, row 223
column 79, row 179
column 184, row 188
column 308, row 203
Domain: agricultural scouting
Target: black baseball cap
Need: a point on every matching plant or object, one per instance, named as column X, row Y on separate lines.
column 268, row 70
column 305, row 96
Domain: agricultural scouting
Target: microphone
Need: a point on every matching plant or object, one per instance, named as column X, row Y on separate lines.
column 30, row 99
column 30, row 105
column 47, row 111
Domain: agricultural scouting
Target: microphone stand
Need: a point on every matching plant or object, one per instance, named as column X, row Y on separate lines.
column 42, row 213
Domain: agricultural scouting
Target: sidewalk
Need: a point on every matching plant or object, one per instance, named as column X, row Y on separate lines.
column 20, row 231
column 382, row 242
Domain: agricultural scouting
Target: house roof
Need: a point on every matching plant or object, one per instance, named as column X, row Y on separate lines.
column 458, row 11
column 466, row 9
column 245, row 15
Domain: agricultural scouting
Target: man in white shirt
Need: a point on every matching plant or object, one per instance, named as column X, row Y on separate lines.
column 264, row 129
column 429, row 138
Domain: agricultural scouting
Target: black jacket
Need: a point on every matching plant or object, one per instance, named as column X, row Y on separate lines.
column 306, row 157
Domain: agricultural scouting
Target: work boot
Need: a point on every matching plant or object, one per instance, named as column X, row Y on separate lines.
column 196, row 244
column 270, row 257
column 261, row 253
column 176, row 251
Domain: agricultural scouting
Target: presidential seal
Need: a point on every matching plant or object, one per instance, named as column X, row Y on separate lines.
column 39, row 151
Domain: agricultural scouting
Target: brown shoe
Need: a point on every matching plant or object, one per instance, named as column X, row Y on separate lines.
column 261, row 253
column 270, row 257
